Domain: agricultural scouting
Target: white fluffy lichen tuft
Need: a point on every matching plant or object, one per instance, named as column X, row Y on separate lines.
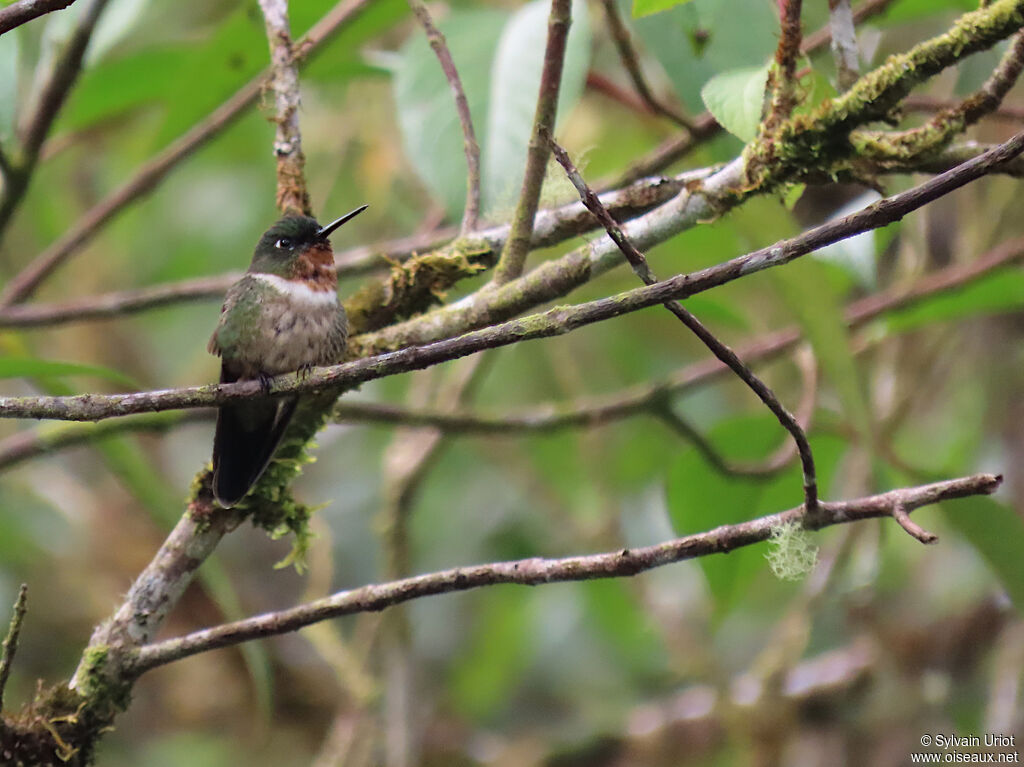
column 792, row 553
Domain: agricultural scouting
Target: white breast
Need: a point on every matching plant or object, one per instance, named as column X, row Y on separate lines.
column 299, row 292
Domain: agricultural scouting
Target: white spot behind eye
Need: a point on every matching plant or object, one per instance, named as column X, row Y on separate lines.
column 283, row 244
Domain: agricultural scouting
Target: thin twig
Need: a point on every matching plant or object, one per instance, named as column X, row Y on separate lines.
column 782, row 76
column 536, row 571
column 630, row 60
column 513, row 257
column 48, row 103
column 556, row 321
column 22, row 11
column 471, row 213
column 10, row 643
column 642, row 269
column 292, row 195
column 149, row 176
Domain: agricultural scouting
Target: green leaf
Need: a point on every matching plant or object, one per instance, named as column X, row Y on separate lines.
column 515, row 82
column 8, row 83
column 996, row 531
column 809, row 292
column 647, row 7
column 120, row 84
column 431, row 134
column 995, row 294
column 735, row 98
column 27, row 367
column 700, row 498
column 696, row 41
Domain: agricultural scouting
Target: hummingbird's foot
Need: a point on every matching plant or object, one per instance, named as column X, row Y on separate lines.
column 266, row 382
column 304, row 371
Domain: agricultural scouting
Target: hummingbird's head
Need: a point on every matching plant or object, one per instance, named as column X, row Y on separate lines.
column 298, row 248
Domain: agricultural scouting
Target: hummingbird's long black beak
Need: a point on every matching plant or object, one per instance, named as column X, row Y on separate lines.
column 325, row 231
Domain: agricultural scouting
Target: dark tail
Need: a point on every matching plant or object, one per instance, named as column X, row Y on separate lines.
column 247, row 435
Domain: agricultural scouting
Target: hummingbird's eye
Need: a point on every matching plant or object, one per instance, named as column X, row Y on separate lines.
column 283, row 244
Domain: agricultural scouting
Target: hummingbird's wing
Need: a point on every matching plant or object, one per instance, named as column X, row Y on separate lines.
column 247, row 435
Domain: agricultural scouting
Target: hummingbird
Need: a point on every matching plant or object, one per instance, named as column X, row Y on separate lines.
column 283, row 315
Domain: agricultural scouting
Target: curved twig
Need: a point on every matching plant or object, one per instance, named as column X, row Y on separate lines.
column 471, row 213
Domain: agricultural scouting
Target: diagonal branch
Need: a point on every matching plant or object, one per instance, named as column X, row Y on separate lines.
column 22, row 11
column 513, row 257
column 471, row 213
column 642, row 269
column 536, row 571
column 556, row 321
column 49, row 101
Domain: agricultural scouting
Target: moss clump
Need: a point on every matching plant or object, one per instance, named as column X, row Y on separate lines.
column 415, row 285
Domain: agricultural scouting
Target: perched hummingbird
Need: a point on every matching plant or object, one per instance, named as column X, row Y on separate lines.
column 282, row 316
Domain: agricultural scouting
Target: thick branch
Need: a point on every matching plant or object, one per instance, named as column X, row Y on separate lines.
column 556, row 321
column 517, row 246
column 22, row 11
column 536, row 571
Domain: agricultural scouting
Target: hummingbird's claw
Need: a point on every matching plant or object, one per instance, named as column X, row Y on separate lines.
column 266, row 382
column 304, row 371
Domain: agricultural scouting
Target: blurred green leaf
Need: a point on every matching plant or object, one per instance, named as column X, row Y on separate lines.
column 431, row 134
column 485, row 675
column 647, row 7
column 619, row 615
column 27, row 367
column 8, row 83
column 996, row 531
column 701, row 498
column 810, row 294
column 120, row 84
column 515, row 82
column 909, row 10
column 736, row 98
column 995, row 294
